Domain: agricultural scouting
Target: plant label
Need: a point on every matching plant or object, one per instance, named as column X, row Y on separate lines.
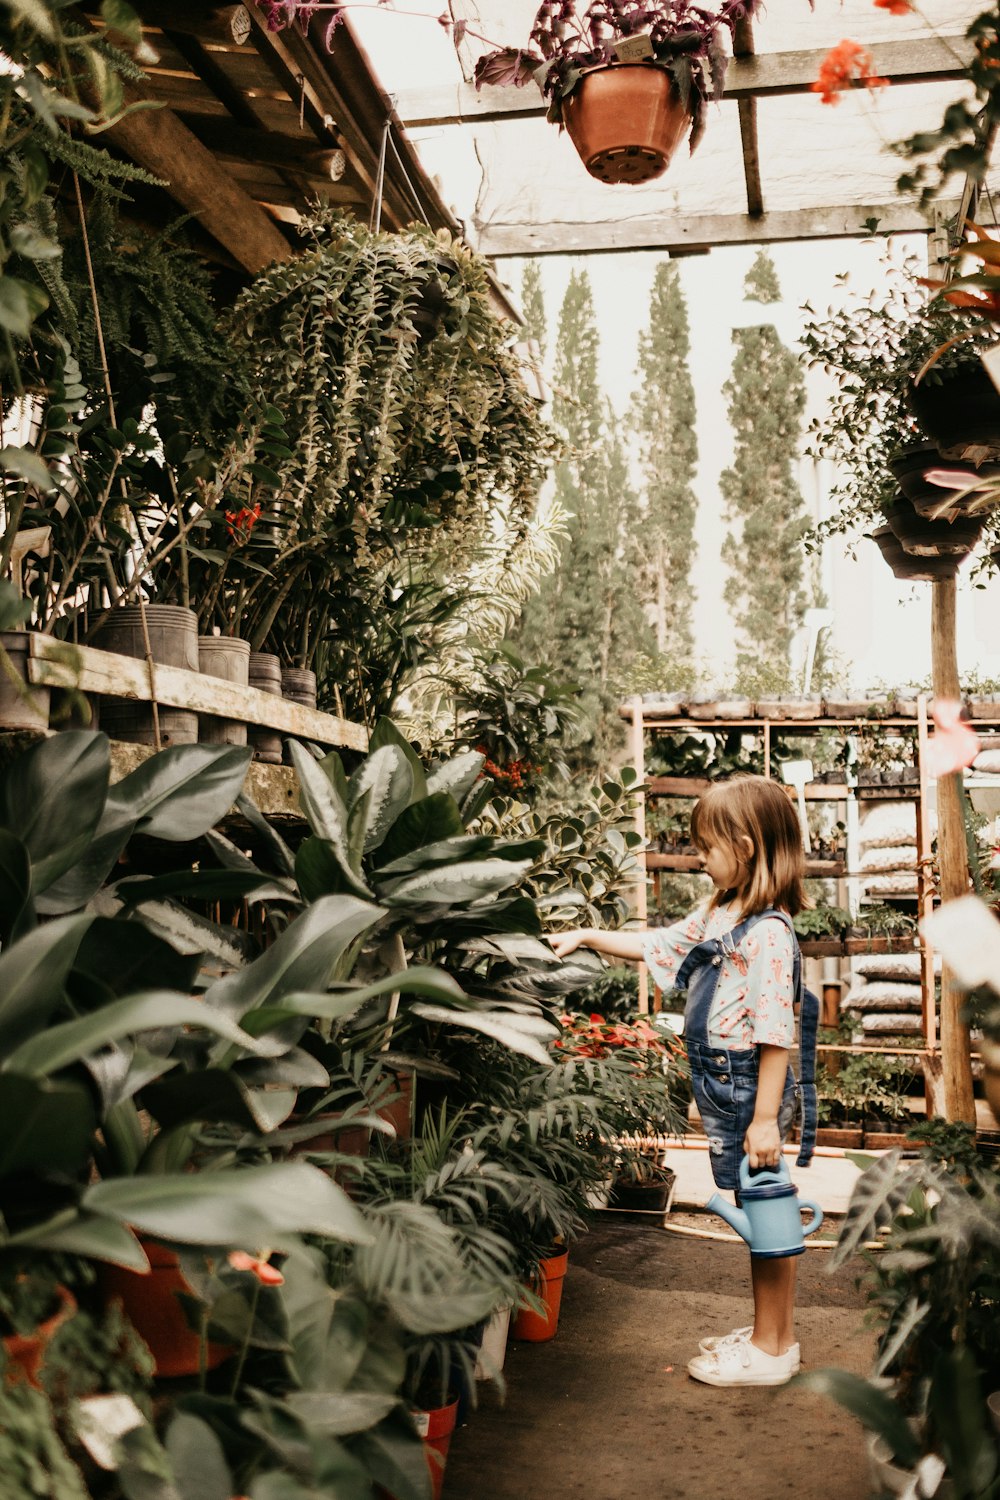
column 422, row 1422
column 634, row 48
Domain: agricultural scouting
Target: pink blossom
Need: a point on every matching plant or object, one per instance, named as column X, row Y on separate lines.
column 953, row 744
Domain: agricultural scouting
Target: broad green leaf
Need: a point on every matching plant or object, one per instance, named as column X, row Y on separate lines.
column 455, row 885
column 217, row 1094
column 52, row 798
column 252, row 1206
column 128, row 957
column 26, row 464
column 272, row 841
column 396, row 1459
column 958, row 1413
column 118, row 16
column 15, row 887
column 458, row 775
column 871, row 1405
column 20, row 305
column 327, row 816
column 386, row 733
column 873, row 1201
column 341, row 1412
column 320, row 872
column 200, row 1471
column 93, row 1237
column 305, row 956
column 386, row 779
column 332, row 767
column 199, row 885
column 525, row 1034
column 334, row 1006
column 432, row 823
column 44, row 1126
column 33, row 973
column 59, row 1046
column 180, row 793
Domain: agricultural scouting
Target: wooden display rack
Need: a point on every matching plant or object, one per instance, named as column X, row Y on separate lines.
column 642, row 717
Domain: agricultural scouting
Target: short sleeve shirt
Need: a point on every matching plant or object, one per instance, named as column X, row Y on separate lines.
column 753, row 1001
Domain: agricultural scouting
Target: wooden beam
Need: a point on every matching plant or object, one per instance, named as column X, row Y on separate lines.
column 209, row 23
column 156, row 140
column 953, row 862
column 677, row 233
column 84, row 667
column 299, row 154
column 762, row 76
column 743, row 48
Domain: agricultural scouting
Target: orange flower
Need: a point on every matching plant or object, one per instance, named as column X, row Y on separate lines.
column 841, row 66
column 266, row 1274
column 894, row 7
column 240, row 523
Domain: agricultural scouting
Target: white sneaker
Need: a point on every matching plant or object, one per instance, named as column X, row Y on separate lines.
column 742, row 1363
column 740, row 1336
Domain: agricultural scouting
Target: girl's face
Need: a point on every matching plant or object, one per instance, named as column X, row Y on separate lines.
column 723, row 866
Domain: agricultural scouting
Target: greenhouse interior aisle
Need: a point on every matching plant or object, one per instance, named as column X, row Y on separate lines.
column 606, row 1410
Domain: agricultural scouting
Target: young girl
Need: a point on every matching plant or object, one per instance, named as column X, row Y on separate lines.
column 738, row 959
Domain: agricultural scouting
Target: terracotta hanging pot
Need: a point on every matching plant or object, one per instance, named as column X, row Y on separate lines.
column 959, row 410
column 626, row 121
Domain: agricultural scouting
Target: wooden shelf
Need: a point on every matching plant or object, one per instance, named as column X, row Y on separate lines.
column 696, row 786
column 855, row 947
column 831, row 869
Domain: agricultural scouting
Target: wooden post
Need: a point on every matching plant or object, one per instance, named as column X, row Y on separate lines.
column 953, row 863
column 638, row 747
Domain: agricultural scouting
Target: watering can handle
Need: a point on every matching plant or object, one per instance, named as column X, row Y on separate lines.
column 762, row 1176
column 817, row 1216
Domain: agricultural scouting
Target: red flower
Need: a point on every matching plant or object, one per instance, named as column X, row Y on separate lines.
column 240, row 523
column 894, row 7
column 266, row 1274
column 841, row 66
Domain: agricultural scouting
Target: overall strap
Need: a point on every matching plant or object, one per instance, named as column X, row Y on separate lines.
column 808, row 1026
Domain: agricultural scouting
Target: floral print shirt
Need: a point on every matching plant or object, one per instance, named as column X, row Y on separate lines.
column 753, row 998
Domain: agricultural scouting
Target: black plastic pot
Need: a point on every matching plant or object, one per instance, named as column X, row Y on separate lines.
column 652, row 1197
column 909, row 568
column 959, row 410
column 910, row 465
column 922, row 537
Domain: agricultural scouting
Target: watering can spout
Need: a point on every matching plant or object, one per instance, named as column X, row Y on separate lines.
column 734, row 1217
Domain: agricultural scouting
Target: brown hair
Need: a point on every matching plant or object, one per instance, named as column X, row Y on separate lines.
column 760, row 810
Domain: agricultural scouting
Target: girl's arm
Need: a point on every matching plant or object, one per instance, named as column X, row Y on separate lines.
column 611, row 944
column 762, row 1142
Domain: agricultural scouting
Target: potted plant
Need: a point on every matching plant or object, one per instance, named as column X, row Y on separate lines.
column 950, row 535
column 642, row 1182
column 628, row 79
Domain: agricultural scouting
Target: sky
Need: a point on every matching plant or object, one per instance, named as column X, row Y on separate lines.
column 881, row 628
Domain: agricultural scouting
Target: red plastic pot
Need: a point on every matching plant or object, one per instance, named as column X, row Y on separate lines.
column 626, row 120
column 435, row 1428
column 151, row 1304
column 26, row 1351
column 536, row 1328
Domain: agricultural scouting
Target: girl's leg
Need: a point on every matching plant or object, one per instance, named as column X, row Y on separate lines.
column 773, row 1302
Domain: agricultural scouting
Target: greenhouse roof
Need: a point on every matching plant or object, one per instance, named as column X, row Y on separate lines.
column 775, row 163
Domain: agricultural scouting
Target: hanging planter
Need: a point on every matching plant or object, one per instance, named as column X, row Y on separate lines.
column 626, row 120
column 911, row 466
column 922, row 537
column 906, row 566
column 960, row 411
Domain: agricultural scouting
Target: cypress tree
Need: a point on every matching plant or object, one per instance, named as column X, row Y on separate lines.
column 663, row 419
column 533, row 305
column 766, row 395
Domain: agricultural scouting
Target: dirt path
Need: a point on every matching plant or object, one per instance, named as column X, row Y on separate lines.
column 606, row 1411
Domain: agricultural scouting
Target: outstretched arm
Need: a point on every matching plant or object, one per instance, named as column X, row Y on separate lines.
column 611, row 944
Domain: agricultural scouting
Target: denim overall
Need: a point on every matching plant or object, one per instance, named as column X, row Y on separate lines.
column 724, row 1080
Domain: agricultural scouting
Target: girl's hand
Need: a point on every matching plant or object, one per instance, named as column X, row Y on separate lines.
column 762, row 1143
column 565, row 943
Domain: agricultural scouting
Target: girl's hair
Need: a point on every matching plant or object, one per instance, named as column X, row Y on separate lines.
column 755, row 808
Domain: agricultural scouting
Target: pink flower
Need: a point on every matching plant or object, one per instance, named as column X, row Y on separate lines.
column 953, row 744
column 267, row 1275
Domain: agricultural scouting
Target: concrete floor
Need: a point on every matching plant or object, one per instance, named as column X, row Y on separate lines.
column 606, row 1410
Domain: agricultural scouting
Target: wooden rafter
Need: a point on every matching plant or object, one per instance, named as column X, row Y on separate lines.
column 762, row 75
column 743, row 48
column 681, row 234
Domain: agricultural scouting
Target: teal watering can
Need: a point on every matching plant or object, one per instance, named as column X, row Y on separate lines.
column 769, row 1220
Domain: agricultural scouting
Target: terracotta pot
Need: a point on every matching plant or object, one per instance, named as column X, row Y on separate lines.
column 626, row 121
column 537, row 1328
column 848, row 1138
column 26, row 1351
column 151, row 1304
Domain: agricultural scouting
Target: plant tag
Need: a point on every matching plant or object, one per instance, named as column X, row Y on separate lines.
column 637, row 48
column 990, row 360
column 99, row 1421
column 422, row 1422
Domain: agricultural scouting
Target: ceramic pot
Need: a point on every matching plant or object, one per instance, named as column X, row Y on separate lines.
column 227, row 657
column 21, row 707
column 265, row 676
column 537, row 1328
column 173, row 642
column 626, row 120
